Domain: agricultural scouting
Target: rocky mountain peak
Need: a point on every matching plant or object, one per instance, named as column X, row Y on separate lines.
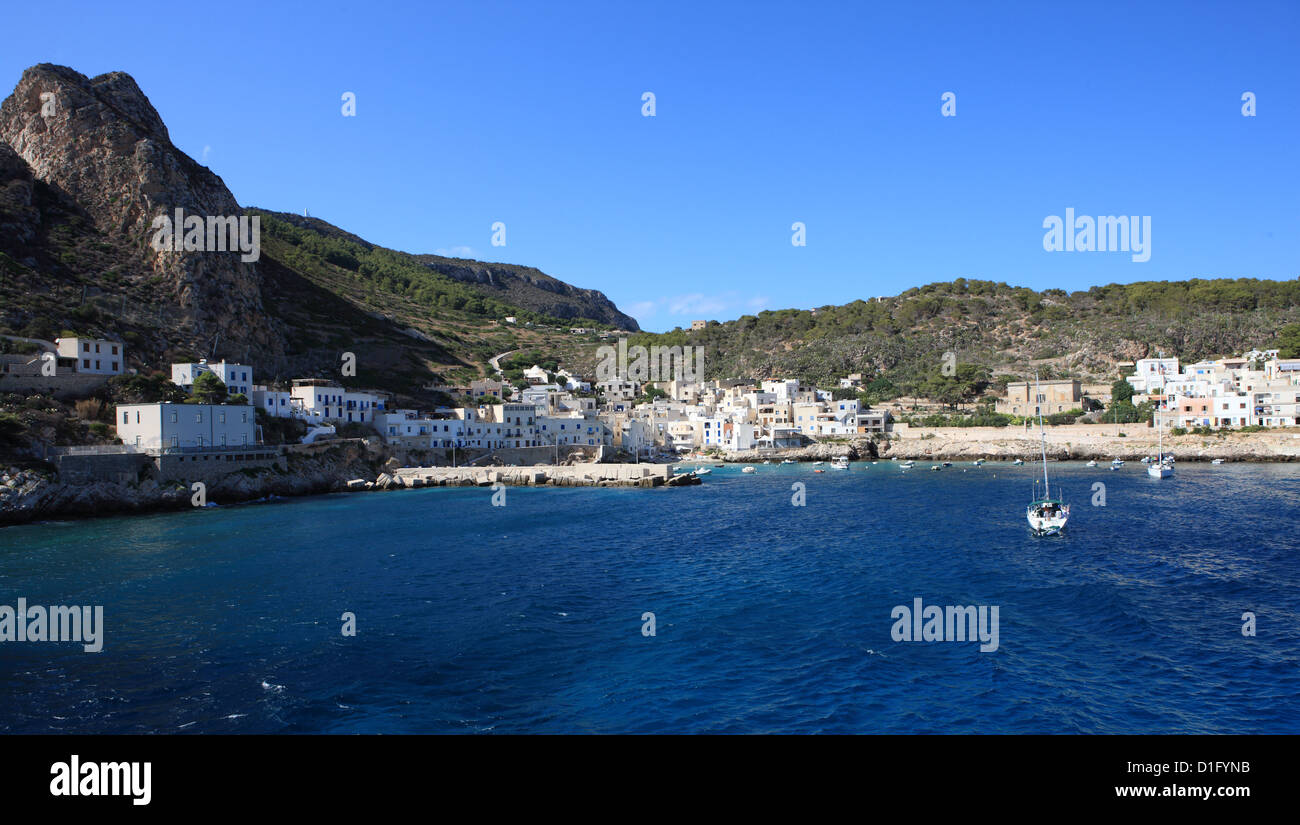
column 101, row 142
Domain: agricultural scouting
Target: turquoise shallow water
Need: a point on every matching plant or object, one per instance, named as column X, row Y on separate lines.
column 769, row 617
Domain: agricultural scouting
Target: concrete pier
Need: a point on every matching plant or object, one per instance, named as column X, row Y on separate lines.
column 573, row 475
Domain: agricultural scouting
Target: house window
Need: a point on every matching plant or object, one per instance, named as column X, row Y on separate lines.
column 126, row 418
column 173, row 417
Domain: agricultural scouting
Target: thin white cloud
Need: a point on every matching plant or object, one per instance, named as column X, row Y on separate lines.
column 456, row 252
column 643, row 309
column 697, row 306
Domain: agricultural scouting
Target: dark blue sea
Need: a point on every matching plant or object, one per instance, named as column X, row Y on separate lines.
column 769, row 617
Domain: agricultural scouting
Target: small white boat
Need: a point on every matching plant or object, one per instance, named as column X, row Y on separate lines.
column 749, row 470
column 1116, row 462
column 1092, row 463
column 841, row 463
column 907, row 465
column 769, row 461
column 1163, row 466
column 935, row 467
column 702, row 471
column 979, row 462
column 818, row 463
column 788, row 461
column 1017, row 463
column 1217, row 461
column 947, row 464
column 1160, row 469
column 1146, row 459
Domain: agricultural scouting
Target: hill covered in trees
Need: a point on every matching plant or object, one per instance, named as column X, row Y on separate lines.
column 996, row 331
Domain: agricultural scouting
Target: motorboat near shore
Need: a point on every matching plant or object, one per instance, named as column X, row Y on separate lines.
column 840, row 463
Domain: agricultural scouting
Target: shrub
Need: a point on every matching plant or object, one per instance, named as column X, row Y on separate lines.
column 89, row 409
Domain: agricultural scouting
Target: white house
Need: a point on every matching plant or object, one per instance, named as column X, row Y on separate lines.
column 535, row 375
column 617, row 390
column 278, row 403
column 324, row 400
column 203, row 426
column 94, row 355
column 410, row 429
column 1150, row 373
column 572, row 382
column 238, row 378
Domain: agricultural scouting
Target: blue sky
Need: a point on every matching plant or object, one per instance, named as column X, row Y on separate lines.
column 766, row 114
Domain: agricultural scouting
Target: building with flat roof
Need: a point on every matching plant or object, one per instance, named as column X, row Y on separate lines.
column 164, row 425
column 1026, row 398
column 96, row 356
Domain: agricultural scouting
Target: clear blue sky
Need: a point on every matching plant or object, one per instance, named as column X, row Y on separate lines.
column 767, row 114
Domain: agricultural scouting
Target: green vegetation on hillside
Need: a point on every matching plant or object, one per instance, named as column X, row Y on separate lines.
column 899, row 344
column 385, row 272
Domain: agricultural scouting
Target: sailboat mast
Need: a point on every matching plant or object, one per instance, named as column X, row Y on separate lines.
column 1047, row 493
column 1160, row 438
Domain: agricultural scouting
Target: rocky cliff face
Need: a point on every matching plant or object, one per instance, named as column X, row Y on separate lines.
column 533, row 289
column 19, row 218
column 101, row 142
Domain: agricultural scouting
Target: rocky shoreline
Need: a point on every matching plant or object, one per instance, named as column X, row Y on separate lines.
column 28, row 494
column 36, row 494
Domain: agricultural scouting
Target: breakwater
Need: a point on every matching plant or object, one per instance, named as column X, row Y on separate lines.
column 572, row 475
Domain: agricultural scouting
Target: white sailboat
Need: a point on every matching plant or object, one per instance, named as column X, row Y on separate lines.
column 1162, row 467
column 1046, row 515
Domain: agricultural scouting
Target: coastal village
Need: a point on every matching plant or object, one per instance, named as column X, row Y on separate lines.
column 558, row 412
column 245, row 440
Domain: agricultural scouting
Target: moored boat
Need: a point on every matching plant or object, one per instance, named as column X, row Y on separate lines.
column 1163, row 466
column 1046, row 515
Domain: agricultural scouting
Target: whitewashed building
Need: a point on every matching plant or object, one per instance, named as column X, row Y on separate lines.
column 323, row 400
column 95, row 356
column 186, row 426
column 238, row 378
